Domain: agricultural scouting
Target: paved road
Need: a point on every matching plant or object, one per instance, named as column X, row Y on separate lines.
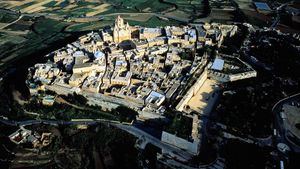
column 281, row 136
column 178, row 153
column 20, row 17
column 174, row 151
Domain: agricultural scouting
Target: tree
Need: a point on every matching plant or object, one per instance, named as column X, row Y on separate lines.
column 80, row 99
column 125, row 114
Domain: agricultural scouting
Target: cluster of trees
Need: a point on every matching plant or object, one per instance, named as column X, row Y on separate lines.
column 125, row 114
column 180, row 125
column 249, row 109
column 67, row 112
column 257, row 157
column 75, row 98
column 63, row 111
column 278, row 52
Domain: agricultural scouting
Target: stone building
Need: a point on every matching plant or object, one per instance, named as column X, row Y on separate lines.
column 122, row 31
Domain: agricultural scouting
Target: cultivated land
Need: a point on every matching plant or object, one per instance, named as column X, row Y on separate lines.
column 23, row 35
column 23, row 26
column 93, row 8
column 251, row 14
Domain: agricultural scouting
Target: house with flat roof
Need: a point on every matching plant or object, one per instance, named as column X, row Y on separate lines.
column 218, row 64
column 262, row 7
column 227, row 68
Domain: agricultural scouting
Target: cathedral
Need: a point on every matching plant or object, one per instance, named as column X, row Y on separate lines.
column 122, row 31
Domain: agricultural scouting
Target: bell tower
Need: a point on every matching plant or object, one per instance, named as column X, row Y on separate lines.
column 122, row 31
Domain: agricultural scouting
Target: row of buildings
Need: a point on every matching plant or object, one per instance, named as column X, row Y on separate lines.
column 37, row 140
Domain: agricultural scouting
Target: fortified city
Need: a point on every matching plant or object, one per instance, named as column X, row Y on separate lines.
column 149, row 84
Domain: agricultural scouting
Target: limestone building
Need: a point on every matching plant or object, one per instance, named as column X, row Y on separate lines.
column 122, row 31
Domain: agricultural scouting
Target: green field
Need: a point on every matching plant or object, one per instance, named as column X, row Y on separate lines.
column 154, row 5
column 23, row 6
column 31, row 33
column 50, row 4
column 153, row 22
column 109, row 21
column 83, row 7
column 86, row 13
column 6, row 17
column 89, row 26
column 43, row 26
column 28, row 36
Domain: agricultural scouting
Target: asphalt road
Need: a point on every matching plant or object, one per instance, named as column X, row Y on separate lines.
column 176, row 152
column 19, row 18
column 281, row 132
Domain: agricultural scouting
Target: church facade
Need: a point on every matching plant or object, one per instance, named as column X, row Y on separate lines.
column 121, row 31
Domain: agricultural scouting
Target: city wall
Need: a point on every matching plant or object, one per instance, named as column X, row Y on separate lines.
column 192, row 91
column 107, row 102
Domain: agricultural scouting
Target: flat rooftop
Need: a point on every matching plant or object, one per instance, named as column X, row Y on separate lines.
column 218, row 64
column 262, row 6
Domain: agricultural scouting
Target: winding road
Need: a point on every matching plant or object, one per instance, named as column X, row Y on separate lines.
column 281, row 137
column 177, row 153
column 13, row 22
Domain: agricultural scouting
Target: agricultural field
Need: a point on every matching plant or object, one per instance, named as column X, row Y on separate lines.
column 147, row 21
column 187, row 9
column 251, row 14
column 187, row 5
column 27, row 26
column 88, row 8
column 154, row 22
column 88, row 26
column 142, row 5
column 7, row 18
column 57, row 7
column 24, row 35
